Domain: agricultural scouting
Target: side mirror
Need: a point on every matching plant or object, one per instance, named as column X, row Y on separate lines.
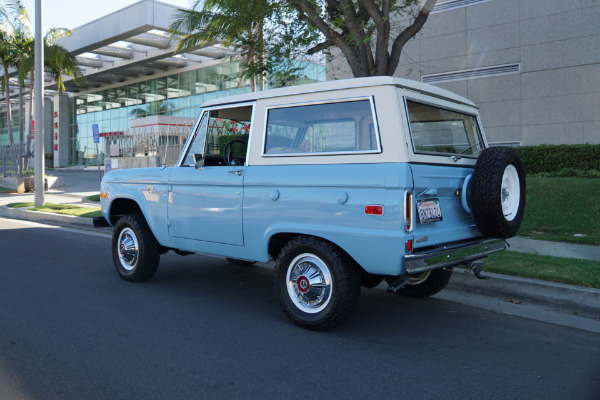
column 198, row 160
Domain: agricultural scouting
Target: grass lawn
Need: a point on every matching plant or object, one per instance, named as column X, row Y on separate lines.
column 88, row 212
column 558, row 209
column 556, row 269
column 95, row 197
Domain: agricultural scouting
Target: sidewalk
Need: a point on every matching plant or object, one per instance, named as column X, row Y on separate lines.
column 569, row 299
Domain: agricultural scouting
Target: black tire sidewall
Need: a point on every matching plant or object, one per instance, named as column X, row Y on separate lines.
column 486, row 192
column 435, row 282
column 345, row 281
column 148, row 249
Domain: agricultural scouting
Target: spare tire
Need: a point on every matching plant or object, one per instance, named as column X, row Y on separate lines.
column 498, row 192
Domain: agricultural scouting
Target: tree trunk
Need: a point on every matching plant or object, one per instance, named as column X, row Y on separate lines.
column 251, row 62
column 261, row 54
column 21, row 128
column 8, row 110
column 30, row 125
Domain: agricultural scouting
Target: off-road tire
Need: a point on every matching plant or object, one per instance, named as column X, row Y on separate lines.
column 426, row 284
column 488, row 194
column 304, row 253
column 129, row 229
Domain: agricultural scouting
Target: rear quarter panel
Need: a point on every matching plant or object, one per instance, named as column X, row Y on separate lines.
column 329, row 201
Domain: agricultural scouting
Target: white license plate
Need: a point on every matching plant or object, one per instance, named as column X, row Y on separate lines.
column 429, row 210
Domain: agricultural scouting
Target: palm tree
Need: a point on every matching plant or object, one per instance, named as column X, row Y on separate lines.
column 57, row 62
column 7, row 50
column 238, row 23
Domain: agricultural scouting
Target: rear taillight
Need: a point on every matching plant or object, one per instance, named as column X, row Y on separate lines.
column 408, row 211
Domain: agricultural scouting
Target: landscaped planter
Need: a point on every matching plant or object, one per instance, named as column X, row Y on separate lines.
column 26, row 184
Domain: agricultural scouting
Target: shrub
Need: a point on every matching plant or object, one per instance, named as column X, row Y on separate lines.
column 564, row 159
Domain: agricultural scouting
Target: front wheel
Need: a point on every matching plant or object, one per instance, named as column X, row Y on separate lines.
column 317, row 284
column 135, row 250
column 427, row 283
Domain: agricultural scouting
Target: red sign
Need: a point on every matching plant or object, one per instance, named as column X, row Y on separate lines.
column 105, row 134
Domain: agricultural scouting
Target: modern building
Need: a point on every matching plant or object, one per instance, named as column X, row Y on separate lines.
column 138, row 94
column 533, row 66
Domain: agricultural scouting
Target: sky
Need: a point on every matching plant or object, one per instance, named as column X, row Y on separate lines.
column 74, row 13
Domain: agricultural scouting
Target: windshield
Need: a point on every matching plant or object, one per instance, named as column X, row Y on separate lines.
column 435, row 130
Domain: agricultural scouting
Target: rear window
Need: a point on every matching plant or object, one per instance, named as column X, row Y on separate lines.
column 325, row 128
column 439, row 131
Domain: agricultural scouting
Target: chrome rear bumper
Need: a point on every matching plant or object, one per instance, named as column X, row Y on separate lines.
column 450, row 256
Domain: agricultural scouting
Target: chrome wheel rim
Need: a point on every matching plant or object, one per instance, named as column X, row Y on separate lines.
column 511, row 193
column 309, row 284
column 128, row 249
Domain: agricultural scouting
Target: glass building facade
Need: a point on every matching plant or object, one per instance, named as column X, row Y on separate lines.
column 176, row 95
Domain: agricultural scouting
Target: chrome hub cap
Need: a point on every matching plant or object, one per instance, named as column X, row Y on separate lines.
column 128, row 249
column 511, row 193
column 309, row 283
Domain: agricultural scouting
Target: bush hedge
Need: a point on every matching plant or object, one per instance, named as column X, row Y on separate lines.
column 560, row 158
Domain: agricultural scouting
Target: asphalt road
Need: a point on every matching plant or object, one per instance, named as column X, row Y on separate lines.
column 202, row 328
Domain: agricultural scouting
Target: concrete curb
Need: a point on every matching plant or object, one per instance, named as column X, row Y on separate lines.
column 555, row 249
column 49, row 218
column 573, row 299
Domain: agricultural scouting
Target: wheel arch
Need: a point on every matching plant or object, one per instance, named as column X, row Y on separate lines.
column 365, row 247
column 122, row 206
column 278, row 241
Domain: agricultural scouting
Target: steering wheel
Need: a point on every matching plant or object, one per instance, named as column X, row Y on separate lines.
column 228, row 156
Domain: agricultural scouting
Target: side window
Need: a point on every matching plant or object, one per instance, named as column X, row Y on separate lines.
column 197, row 144
column 222, row 137
column 337, row 127
column 436, row 130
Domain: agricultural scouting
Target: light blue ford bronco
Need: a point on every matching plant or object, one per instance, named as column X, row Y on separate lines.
column 343, row 184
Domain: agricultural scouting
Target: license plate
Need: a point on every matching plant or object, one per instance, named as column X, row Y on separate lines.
column 429, row 210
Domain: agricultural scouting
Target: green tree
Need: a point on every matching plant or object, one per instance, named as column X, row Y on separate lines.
column 7, row 56
column 365, row 30
column 268, row 35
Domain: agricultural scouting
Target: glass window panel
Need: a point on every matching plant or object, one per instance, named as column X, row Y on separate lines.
column 341, row 127
column 436, row 130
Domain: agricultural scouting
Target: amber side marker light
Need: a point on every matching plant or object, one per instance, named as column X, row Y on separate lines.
column 103, row 195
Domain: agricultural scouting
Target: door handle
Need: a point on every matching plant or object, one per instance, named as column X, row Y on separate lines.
column 238, row 172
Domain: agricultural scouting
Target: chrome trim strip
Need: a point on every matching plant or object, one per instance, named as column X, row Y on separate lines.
column 451, row 256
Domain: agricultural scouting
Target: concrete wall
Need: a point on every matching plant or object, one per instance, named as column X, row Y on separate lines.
column 60, row 131
column 554, row 99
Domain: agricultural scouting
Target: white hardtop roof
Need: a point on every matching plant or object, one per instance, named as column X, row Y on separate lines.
column 344, row 84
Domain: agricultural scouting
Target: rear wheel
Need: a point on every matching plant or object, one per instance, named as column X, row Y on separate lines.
column 317, row 284
column 135, row 250
column 427, row 283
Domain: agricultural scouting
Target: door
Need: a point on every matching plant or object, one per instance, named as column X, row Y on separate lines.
column 206, row 190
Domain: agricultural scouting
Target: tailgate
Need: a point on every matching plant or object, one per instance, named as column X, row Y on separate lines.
column 439, row 216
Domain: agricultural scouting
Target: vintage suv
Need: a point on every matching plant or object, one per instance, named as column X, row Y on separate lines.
column 343, row 183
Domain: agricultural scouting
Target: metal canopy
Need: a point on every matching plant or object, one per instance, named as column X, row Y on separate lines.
column 129, row 44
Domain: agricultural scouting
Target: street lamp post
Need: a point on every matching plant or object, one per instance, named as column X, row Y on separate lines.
column 39, row 107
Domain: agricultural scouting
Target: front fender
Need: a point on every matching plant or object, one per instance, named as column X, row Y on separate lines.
column 147, row 189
